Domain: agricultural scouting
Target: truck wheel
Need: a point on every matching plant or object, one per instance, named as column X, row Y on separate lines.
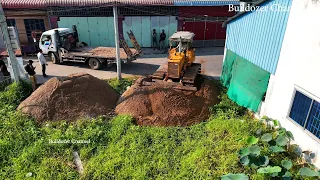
column 94, row 63
column 54, row 58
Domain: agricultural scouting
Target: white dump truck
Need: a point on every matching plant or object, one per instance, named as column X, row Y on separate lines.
column 62, row 44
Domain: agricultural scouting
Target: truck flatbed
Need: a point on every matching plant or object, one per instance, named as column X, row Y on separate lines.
column 99, row 52
column 62, row 44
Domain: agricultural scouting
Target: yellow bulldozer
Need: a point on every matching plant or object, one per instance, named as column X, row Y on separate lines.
column 180, row 70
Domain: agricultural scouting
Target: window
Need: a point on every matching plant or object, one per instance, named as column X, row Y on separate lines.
column 306, row 112
column 33, row 24
column 11, row 22
column 45, row 40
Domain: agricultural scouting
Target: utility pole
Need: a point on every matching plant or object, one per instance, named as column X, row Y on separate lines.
column 6, row 37
column 116, row 33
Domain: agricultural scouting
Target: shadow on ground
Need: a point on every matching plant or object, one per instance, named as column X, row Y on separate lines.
column 134, row 68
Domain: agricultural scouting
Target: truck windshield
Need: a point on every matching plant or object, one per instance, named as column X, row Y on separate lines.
column 65, row 36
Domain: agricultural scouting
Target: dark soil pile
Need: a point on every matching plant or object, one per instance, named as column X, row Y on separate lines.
column 70, row 98
column 160, row 105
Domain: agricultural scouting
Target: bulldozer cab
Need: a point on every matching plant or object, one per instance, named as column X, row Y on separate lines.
column 181, row 48
column 182, row 41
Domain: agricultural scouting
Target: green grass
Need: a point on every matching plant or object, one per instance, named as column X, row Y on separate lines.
column 121, row 86
column 118, row 149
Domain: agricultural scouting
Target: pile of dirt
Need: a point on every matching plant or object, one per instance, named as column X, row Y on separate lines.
column 161, row 105
column 70, row 98
column 109, row 52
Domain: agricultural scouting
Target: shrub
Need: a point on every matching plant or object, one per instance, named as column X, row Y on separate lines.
column 121, row 86
column 227, row 108
column 15, row 93
column 269, row 153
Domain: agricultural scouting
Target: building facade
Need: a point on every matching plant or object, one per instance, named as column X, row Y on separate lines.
column 96, row 24
column 26, row 17
column 285, row 44
column 94, row 19
column 293, row 95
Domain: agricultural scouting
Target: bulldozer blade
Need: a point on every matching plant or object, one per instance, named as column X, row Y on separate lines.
column 167, row 85
column 187, row 82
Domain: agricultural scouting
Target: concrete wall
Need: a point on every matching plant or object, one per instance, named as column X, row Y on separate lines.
column 298, row 68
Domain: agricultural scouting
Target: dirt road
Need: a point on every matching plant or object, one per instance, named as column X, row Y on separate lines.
column 211, row 59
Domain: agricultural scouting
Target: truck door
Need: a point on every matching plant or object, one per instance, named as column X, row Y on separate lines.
column 47, row 44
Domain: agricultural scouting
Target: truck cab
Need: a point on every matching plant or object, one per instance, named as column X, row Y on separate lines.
column 62, row 44
column 48, row 41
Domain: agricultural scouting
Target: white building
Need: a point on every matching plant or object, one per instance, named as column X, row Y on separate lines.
column 285, row 44
column 293, row 95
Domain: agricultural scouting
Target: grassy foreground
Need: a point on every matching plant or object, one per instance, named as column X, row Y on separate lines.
column 118, row 149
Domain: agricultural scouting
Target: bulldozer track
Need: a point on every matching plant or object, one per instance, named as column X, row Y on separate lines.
column 188, row 79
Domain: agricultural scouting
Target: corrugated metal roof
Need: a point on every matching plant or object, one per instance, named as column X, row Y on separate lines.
column 258, row 36
column 205, row 2
column 106, row 2
column 23, row 3
column 258, row 3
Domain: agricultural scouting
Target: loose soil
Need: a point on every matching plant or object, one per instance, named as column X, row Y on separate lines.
column 70, row 98
column 161, row 105
column 109, row 52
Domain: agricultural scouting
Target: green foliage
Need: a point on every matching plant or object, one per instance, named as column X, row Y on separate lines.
column 307, row 172
column 252, row 140
column 121, row 86
column 118, row 149
column 235, row 177
column 266, row 137
column 245, row 160
column 13, row 94
column 270, row 153
column 269, row 170
column 244, row 152
column 286, row 164
column 282, row 140
column 276, row 149
column 287, row 176
column 276, row 123
column 254, row 150
column 227, row 108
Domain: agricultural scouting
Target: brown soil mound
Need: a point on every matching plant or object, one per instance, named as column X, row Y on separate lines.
column 70, row 98
column 159, row 105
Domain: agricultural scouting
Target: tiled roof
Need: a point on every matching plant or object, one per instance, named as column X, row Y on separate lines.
column 23, row 3
column 46, row 3
column 205, row 2
column 106, row 2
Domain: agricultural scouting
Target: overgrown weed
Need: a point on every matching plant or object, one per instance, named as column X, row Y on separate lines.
column 119, row 149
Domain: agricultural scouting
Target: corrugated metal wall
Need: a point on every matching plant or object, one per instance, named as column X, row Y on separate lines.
column 258, row 36
column 95, row 31
column 142, row 27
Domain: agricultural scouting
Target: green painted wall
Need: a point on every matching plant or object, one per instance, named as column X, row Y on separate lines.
column 142, row 27
column 99, row 31
column 95, row 31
